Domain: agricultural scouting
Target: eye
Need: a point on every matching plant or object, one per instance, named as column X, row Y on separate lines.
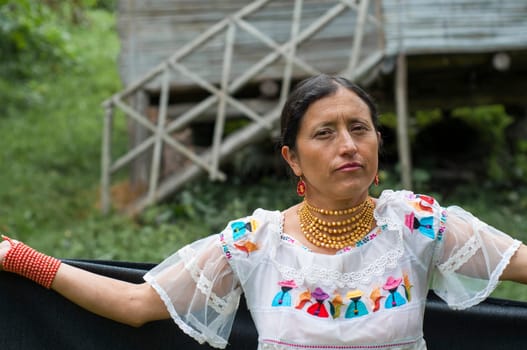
column 323, row 133
column 359, row 128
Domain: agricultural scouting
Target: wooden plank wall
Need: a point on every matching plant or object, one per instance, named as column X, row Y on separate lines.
column 454, row 26
column 151, row 31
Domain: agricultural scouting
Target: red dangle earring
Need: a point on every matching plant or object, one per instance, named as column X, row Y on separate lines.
column 376, row 180
column 301, row 187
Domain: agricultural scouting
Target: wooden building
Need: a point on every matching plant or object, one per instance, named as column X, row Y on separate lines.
column 185, row 61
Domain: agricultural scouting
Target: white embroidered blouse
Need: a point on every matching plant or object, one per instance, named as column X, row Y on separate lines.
column 369, row 296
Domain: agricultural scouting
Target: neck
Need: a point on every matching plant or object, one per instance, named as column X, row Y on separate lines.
column 336, row 205
column 336, row 229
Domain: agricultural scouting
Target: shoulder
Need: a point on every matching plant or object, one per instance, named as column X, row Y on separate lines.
column 412, row 212
column 404, row 197
column 246, row 235
column 406, row 200
column 242, row 227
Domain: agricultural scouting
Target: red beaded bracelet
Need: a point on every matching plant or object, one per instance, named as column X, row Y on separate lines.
column 27, row 262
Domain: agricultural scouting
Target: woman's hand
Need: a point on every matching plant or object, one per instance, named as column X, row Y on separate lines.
column 5, row 245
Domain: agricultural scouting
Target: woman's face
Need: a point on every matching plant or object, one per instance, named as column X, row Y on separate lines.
column 336, row 150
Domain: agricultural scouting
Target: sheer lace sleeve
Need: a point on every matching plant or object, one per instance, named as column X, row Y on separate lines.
column 199, row 290
column 471, row 259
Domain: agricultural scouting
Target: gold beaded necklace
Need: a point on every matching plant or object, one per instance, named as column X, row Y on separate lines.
column 336, row 234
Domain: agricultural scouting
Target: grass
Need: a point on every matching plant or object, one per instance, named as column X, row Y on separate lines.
column 50, row 152
column 49, row 175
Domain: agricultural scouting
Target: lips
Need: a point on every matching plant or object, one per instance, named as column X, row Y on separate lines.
column 349, row 166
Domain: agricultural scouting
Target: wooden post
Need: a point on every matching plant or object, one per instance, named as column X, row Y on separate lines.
column 158, row 144
column 219, row 125
column 106, row 159
column 289, row 58
column 403, row 142
column 138, row 133
column 362, row 12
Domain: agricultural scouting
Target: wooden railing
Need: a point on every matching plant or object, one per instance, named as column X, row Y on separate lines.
column 360, row 20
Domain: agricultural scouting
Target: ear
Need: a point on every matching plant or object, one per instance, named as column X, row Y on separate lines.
column 379, row 139
column 291, row 158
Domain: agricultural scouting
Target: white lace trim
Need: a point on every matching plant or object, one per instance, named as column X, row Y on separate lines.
column 386, row 221
column 493, row 280
column 173, row 313
column 220, row 305
column 461, row 256
column 328, row 277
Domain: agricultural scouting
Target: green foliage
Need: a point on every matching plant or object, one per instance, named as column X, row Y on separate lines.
column 31, row 34
column 417, row 122
column 211, row 204
column 33, row 44
column 116, row 237
column 520, row 165
column 491, row 122
column 484, row 144
column 388, row 120
column 36, row 42
column 50, row 153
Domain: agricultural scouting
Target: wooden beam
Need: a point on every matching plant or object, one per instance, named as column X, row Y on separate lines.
column 403, row 142
column 106, row 160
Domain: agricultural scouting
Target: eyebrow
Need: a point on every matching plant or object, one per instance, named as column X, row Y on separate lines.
column 333, row 121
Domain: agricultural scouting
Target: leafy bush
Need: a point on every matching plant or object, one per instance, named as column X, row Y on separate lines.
column 33, row 44
column 36, row 42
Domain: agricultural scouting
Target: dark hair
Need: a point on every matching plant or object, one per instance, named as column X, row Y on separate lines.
column 309, row 91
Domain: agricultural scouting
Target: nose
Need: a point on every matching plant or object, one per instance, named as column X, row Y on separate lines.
column 347, row 143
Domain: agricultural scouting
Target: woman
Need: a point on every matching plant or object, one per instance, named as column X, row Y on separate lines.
column 295, row 266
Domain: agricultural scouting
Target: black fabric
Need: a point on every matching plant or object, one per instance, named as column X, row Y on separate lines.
column 32, row 317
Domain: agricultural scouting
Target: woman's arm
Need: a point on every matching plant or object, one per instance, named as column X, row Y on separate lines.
column 517, row 268
column 129, row 303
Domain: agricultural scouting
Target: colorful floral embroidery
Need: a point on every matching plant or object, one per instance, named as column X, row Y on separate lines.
column 335, row 305
column 241, row 228
column 288, row 239
column 376, row 297
column 425, row 203
column 319, row 309
column 395, row 298
column 246, row 246
column 409, row 221
column 424, row 225
column 283, row 298
column 225, row 247
column 303, row 299
column 407, row 287
column 442, row 225
column 369, row 237
column 319, row 301
column 356, row 307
